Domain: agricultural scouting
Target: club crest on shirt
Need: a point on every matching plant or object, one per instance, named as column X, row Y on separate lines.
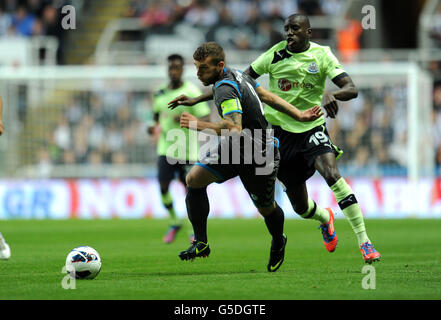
column 284, row 84
column 313, row 68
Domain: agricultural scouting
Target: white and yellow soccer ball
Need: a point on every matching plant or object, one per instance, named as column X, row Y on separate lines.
column 83, row 263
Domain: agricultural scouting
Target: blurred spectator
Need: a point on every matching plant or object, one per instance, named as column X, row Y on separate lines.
column 68, row 157
column 280, row 8
column 5, row 23
column 239, row 11
column 158, row 13
column 29, row 18
column 310, row 7
column 44, row 163
column 118, row 157
column 438, row 159
column 51, row 21
column 135, row 8
column 62, row 134
column 95, row 157
column 348, row 40
column 331, row 7
column 23, row 21
column 201, row 14
column 436, row 26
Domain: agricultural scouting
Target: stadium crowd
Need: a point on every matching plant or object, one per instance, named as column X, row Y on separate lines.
column 95, row 129
column 211, row 12
column 109, row 128
column 33, row 18
column 101, row 128
column 28, row 18
column 240, row 24
column 371, row 130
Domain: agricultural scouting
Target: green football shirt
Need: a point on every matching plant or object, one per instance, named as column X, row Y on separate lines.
column 175, row 147
column 298, row 78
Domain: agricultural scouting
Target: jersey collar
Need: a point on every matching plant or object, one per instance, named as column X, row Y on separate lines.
column 294, row 53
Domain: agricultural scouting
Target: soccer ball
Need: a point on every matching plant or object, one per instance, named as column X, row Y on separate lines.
column 83, row 263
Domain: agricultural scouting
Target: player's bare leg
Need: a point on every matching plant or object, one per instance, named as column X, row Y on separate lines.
column 308, row 209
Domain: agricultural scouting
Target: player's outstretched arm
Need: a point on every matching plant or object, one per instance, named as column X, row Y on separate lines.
column 184, row 100
column 281, row 105
column 1, row 118
column 232, row 123
column 347, row 91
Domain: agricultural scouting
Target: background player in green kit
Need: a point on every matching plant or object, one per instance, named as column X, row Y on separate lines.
column 174, row 161
column 297, row 70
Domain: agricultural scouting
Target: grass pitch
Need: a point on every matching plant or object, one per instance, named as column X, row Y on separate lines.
column 138, row 265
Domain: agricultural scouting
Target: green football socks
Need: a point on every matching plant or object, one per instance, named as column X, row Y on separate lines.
column 167, row 201
column 351, row 209
column 315, row 212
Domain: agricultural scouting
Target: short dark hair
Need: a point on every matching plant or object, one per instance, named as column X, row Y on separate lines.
column 300, row 16
column 209, row 49
column 175, row 56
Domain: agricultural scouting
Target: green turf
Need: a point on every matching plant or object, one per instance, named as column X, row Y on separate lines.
column 137, row 265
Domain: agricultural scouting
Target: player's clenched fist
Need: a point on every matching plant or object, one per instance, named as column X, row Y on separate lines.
column 188, row 121
column 330, row 105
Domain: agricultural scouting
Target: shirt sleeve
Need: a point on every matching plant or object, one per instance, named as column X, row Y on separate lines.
column 253, row 82
column 262, row 63
column 332, row 66
column 227, row 100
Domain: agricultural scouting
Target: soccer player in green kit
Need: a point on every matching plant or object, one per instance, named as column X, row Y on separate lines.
column 172, row 161
column 297, row 70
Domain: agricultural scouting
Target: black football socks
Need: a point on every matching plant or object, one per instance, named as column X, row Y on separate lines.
column 198, row 208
